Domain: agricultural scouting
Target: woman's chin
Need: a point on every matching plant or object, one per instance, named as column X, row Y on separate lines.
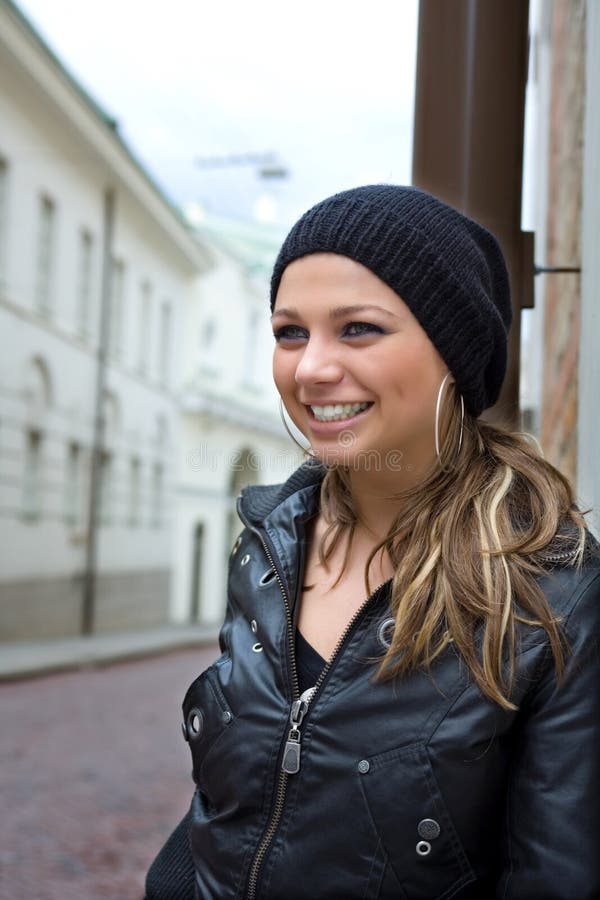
column 334, row 454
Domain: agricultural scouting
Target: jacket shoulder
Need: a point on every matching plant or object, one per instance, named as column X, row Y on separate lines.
column 256, row 501
column 573, row 592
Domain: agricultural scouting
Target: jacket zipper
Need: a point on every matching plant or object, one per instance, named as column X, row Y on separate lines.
column 327, row 667
column 291, row 756
column 282, row 777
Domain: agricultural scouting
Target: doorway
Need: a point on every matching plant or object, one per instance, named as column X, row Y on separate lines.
column 196, row 598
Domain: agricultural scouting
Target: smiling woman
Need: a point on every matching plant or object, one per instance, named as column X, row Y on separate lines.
column 406, row 703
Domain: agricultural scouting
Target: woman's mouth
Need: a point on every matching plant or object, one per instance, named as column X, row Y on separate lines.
column 337, row 412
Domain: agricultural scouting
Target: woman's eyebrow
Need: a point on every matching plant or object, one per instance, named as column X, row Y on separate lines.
column 338, row 312
column 290, row 313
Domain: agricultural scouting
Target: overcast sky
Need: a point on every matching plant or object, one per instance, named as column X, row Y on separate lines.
column 326, row 85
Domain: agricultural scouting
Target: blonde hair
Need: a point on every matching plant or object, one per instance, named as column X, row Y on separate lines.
column 467, row 549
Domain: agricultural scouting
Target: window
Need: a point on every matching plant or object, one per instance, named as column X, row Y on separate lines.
column 165, row 343
column 117, row 291
column 105, row 489
column 45, row 252
column 134, row 496
column 3, row 216
column 144, row 330
column 157, row 495
column 32, row 475
column 208, row 333
column 250, row 368
column 73, row 485
column 84, row 283
column 209, row 348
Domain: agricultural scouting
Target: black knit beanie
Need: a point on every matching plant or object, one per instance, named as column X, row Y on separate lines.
column 448, row 269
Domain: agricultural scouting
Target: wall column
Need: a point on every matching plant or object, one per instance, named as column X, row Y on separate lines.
column 588, row 468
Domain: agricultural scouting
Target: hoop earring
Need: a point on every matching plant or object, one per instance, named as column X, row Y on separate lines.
column 306, row 450
column 437, row 419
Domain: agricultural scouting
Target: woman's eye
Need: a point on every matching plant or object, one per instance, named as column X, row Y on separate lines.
column 289, row 332
column 359, row 328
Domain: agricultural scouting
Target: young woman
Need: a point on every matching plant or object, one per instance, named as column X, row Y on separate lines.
column 407, row 704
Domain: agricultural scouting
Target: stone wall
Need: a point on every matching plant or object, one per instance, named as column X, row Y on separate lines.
column 46, row 608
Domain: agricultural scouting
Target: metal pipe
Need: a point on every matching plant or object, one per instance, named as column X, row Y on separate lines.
column 469, row 130
column 89, row 585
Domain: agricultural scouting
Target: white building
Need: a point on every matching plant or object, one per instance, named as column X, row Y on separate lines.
column 231, row 432
column 60, row 158
column 123, row 331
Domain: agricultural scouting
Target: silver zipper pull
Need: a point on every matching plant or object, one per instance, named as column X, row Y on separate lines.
column 291, row 754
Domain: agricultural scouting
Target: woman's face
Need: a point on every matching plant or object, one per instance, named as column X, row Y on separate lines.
column 356, row 371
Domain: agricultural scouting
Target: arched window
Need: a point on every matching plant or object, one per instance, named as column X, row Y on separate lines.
column 135, row 475
column 161, row 431
column 73, row 484
column 37, row 392
column 38, row 398
column 85, row 284
column 33, row 474
column 111, row 411
column 45, row 261
column 105, row 507
column 209, row 347
column 251, row 349
column 144, row 327
column 117, row 308
column 164, row 358
column 157, row 510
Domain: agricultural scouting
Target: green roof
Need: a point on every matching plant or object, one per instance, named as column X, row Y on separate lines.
column 255, row 245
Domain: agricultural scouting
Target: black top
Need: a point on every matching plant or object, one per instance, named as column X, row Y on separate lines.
column 308, row 662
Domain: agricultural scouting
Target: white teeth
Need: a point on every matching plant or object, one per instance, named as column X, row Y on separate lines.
column 332, row 413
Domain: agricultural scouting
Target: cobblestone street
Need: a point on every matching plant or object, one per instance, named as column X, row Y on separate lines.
column 94, row 775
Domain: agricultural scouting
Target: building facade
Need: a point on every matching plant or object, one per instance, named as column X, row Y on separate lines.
column 68, row 262
column 135, row 390
column 231, row 431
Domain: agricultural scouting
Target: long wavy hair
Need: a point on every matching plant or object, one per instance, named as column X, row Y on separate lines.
column 467, row 549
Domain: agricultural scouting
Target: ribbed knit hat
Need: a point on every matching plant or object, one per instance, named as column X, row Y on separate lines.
column 447, row 268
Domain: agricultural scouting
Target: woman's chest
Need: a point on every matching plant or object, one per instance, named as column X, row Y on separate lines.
column 326, row 611
column 332, row 594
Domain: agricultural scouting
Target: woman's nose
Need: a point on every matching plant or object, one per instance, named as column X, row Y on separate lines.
column 318, row 364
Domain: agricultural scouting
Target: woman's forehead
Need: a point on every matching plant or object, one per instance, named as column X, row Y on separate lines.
column 332, row 279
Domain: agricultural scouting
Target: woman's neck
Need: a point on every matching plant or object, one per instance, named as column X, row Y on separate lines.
column 375, row 503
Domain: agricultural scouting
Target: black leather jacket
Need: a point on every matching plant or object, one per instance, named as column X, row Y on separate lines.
column 417, row 789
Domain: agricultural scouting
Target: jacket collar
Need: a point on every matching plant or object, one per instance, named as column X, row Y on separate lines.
column 278, row 514
column 257, row 501
column 278, row 509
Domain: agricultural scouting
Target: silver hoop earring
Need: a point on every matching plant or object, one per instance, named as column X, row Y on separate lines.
column 307, row 450
column 438, row 406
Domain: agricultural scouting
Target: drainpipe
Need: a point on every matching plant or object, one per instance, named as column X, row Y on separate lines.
column 90, row 576
column 468, row 135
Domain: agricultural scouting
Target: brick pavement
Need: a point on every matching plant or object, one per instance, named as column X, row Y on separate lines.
column 94, row 774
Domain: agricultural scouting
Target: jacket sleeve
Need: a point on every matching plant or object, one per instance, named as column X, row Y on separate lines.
column 552, row 826
column 172, row 876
